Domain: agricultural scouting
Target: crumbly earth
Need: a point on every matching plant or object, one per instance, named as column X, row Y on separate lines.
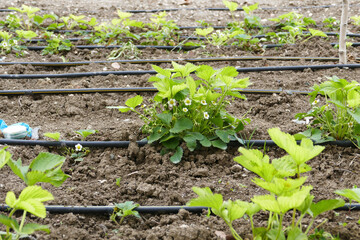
column 147, row 177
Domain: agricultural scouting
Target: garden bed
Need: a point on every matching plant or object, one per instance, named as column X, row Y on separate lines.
column 147, row 177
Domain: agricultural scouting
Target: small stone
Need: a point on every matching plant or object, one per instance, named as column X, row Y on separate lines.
column 115, row 65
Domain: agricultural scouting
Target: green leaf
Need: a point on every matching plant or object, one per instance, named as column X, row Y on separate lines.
column 232, row 6
column 181, row 125
column 171, row 143
column 206, row 198
column 18, row 169
column 285, row 166
column 126, row 209
column 233, row 211
column 204, row 31
column 30, row 200
column 123, row 15
column 219, row 144
column 9, row 222
column 273, row 234
column 30, row 228
column 205, row 142
column 191, row 85
column 165, row 117
column 4, row 157
column 318, row 33
column 223, row 135
column 161, row 71
column 177, row 88
column 251, row 8
column 157, row 133
column 176, row 158
column 355, row 114
column 205, row 72
column 86, row 132
column 46, row 161
column 134, row 101
column 300, row 154
column 325, row 205
column 55, row 135
column 352, row 194
column 296, row 234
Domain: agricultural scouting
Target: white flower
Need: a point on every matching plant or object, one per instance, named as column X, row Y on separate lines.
column 316, row 101
column 206, row 115
column 78, row 147
column 15, row 42
column 187, row 101
column 203, row 102
column 307, row 120
column 350, row 124
column 185, row 110
column 213, row 102
column 4, row 44
column 172, row 102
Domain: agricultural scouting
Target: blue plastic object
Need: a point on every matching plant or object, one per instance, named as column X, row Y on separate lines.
column 28, row 128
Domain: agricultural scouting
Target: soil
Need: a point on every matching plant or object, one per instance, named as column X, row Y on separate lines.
column 147, row 177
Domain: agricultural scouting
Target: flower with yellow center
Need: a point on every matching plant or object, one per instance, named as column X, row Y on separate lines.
column 187, row 101
column 206, row 115
column 172, row 102
column 78, row 147
column 185, row 110
column 203, row 102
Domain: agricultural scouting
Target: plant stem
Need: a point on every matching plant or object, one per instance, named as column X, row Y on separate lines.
column 293, row 217
column 21, row 224
column 10, row 215
column 233, row 232
column 310, row 225
column 343, row 26
column 280, row 226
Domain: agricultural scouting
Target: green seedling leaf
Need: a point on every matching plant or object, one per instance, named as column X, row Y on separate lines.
column 223, row 135
column 280, row 186
column 86, row 132
column 18, row 169
column 171, row 142
column 204, row 31
column 255, row 161
column 176, row 158
column 300, row 154
column 352, row 194
column 9, row 222
column 205, row 72
column 317, row 33
column 181, row 125
column 123, row 15
column 205, row 142
column 26, row 34
column 55, row 135
column 134, row 101
column 30, row 200
column 164, row 72
column 126, row 209
column 325, row 205
column 232, row 6
column 251, row 208
column 30, row 228
column 46, row 161
column 4, row 157
column 273, row 234
column 206, row 198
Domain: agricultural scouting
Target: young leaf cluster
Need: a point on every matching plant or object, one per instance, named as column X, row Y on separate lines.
column 190, row 110
column 282, row 179
column 337, row 117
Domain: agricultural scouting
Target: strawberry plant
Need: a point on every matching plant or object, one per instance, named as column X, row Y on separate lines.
column 46, row 167
column 337, row 117
column 282, row 178
column 190, row 110
column 352, row 194
column 123, row 210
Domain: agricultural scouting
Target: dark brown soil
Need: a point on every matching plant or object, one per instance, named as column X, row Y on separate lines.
column 148, row 178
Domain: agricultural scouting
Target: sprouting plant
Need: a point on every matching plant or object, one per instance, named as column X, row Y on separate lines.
column 281, row 177
column 53, row 135
column 218, row 38
column 331, row 23
column 127, row 51
column 352, row 194
column 118, row 180
column 84, row 133
column 356, row 20
column 123, row 210
column 9, row 43
column 29, row 11
column 190, row 110
column 232, row 6
column 12, row 21
column 293, row 19
column 251, row 21
column 56, row 44
column 46, row 167
column 338, row 115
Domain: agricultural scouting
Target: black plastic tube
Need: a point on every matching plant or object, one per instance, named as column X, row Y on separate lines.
column 125, row 144
column 118, row 90
column 105, row 73
column 186, row 48
column 143, row 61
column 97, row 210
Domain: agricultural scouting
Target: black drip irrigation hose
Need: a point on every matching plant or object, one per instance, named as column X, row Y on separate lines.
column 125, row 144
column 144, row 61
column 105, row 73
column 185, row 48
column 118, row 90
column 97, row 210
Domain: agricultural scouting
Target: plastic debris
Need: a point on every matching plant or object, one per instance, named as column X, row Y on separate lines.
column 15, row 131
